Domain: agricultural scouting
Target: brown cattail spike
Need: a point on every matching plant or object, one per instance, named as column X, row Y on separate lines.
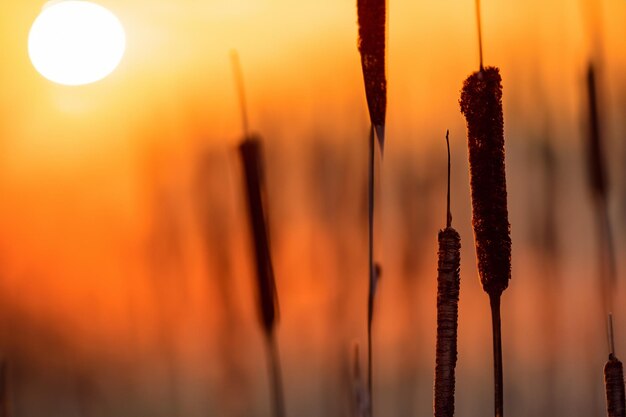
column 250, row 152
column 597, row 171
column 448, row 283
column 372, row 21
column 614, row 384
column 481, row 103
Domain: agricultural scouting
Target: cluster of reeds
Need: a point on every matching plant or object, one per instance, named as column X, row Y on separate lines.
column 481, row 104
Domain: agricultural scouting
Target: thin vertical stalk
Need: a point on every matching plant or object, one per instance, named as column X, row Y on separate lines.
column 480, row 35
column 498, row 382
column 241, row 91
column 372, row 275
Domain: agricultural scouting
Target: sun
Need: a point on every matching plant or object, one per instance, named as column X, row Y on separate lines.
column 75, row 42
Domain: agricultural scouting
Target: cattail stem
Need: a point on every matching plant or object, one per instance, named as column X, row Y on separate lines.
column 480, row 35
column 498, row 383
column 372, row 274
column 606, row 253
column 448, row 212
column 610, row 334
column 275, row 375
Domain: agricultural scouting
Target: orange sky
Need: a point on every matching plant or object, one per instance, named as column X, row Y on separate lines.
column 84, row 170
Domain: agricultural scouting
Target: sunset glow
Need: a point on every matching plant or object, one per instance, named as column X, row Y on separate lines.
column 129, row 278
column 76, row 42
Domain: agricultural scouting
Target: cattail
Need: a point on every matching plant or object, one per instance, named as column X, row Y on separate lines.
column 372, row 21
column 481, row 103
column 250, row 152
column 595, row 153
column 448, row 282
column 598, row 184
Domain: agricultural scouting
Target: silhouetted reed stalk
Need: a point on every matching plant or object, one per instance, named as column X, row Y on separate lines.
column 481, row 103
column 250, row 153
column 372, row 17
column 448, row 283
column 598, row 181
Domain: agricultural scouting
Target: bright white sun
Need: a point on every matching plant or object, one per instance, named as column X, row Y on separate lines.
column 75, row 42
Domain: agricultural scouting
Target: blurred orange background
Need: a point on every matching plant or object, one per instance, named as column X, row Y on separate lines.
column 125, row 284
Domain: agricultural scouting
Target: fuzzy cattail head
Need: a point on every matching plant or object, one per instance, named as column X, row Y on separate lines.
column 614, row 384
column 481, row 103
column 597, row 171
column 372, row 20
column 250, row 153
column 448, row 285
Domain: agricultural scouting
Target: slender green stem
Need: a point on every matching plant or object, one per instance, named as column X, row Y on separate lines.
column 498, row 384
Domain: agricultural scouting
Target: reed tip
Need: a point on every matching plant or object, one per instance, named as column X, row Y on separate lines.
column 448, row 212
column 610, row 335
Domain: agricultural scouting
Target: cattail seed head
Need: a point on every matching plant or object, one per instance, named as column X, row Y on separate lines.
column 250, row 153
column 448, row 283
column 595, row 155
column 614, row 384
column 372, row 20
column 481, row 103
